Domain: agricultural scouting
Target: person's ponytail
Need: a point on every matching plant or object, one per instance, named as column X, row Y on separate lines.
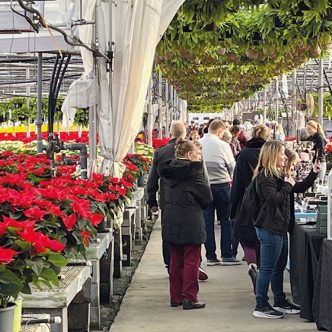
column 321, row 130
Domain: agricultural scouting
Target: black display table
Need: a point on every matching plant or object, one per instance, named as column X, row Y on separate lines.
column 322, row 301
column 305, row 247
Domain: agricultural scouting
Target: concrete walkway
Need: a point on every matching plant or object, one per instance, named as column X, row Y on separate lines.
column 228, row 296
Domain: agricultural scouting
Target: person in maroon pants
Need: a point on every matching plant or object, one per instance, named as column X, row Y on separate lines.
column 187, row 193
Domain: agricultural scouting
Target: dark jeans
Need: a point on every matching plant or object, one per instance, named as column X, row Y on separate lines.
column 273, row 260
column 220, row 194
column 183, row 273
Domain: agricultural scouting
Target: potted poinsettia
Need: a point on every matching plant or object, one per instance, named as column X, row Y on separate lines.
column 27, row 257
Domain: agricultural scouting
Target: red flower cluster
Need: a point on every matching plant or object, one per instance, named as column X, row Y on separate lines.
column 71, row 136
column 40, row 241
column 6, row 255
column 159, row 142
column 328, row 147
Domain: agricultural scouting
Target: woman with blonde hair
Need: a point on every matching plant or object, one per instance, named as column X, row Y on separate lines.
column 273, row 190
column 317, row 136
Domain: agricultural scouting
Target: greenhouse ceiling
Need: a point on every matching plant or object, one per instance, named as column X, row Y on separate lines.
column 218, row 52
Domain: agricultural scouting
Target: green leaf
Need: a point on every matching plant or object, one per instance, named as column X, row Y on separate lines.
column 22, row 245
column 57, row 260
column 8, row 277
column 49, row 275
column 10, row 290
column 37, row 265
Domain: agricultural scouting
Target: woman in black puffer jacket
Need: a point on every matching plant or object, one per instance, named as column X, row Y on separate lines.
column 243, row 229
column 187, row 193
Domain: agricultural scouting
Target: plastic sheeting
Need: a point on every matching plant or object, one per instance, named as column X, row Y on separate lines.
column 136, row 28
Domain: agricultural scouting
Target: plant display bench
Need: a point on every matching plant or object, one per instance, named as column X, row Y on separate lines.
column 94, row 254
column 106, row 271
column 117, row 263
column 139, row 197
column 128, row 232
column 70, row 301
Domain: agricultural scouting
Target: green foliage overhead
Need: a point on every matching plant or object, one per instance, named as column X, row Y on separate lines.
column 218, row 52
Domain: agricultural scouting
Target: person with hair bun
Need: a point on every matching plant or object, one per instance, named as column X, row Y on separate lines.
column 155, row 182
column 187, row 194
column 293, row 159
column 235, row 131
column 317, row 136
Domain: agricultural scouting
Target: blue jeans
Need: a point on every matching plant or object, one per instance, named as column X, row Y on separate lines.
column 221, row 195
column 273, row 260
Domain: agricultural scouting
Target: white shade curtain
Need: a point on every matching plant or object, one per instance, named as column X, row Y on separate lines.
column 137, row 27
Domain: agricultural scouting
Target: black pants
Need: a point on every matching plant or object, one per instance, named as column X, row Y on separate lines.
column 166, row 252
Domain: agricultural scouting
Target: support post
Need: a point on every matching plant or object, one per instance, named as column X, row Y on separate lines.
column 28, row 101
column 167, row 109
column 150, row 113
column 321, row 91
column 160, row 104
column 172, row 103
column 92, row 136
column 264, row 107
column 39, row 121
column 294, row 99
column 276, row 115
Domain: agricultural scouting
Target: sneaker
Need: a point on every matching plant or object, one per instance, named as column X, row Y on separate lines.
column 287, row 307
column 253, row 275
column 202, row 275
column 267, row 312
column 212, row 262
column 230, row 261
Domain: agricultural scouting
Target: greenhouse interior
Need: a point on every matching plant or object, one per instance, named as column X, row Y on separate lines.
column 161, row 156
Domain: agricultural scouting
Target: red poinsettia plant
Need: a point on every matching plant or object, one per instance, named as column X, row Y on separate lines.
column 26, row 256
column 136, row 164
column 60, row 208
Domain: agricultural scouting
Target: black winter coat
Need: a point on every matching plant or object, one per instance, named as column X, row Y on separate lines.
column 274, row 195
column 246, row 163
column 319, row 146
column 187, row 194
column 161, row 155
column 299, row 187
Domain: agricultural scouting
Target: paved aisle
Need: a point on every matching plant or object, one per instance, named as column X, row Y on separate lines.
column 227, row 293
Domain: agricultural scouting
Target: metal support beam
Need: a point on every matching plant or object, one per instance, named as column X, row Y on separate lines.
column 92, row 137
column 150, row 113
column 167, row 109
column 276, row 115
column 160, row 104
column 294, row 96
column 39, row 121
column 321, row 91
column 264, row 107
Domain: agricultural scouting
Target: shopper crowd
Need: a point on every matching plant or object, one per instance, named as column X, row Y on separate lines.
column 237, row 176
